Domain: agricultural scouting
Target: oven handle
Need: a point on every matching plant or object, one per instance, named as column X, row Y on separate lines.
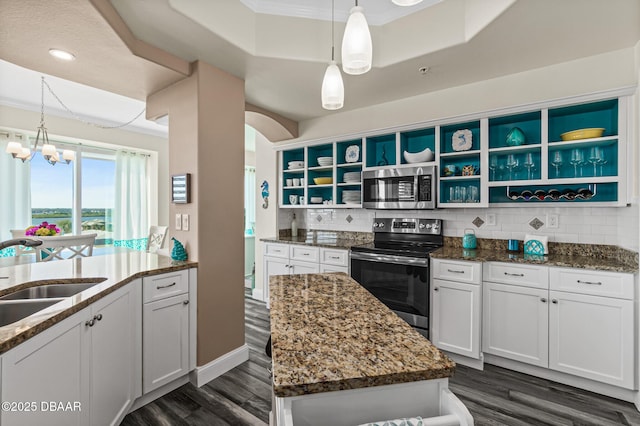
column 400, row 260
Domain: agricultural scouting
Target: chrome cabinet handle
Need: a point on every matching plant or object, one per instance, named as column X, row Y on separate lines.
column 543, row 300
column 305, row 254
column 98, row 317
column 513, row 275
column 335, row 257
column 90, row 322
column 554, row 301
column 165, row 286
column 590, row 282
column 436, row 289
column 453, row 271
column 186, row 302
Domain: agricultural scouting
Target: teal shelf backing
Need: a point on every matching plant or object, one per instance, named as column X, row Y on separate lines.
column 606, row 164
column 460, row 191
column 446, row 133
column 529, row 123
column 326, row 192
column 596, row 114
column 417, row 141
column 499, row 163
column 298, row 191
column 459, row 162
column 313, row 152
column 292, row 155
column 381, row 150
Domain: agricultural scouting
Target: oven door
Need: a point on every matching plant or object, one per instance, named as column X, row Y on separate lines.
column 400, row 282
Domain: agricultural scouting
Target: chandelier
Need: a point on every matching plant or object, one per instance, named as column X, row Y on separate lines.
column 48, row 150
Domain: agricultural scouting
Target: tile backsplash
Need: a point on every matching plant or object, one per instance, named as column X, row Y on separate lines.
column 590, row 225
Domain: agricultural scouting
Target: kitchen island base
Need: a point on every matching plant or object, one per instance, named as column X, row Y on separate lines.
column 429, row 399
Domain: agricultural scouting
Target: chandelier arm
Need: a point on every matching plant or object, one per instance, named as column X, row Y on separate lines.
column 78, row 118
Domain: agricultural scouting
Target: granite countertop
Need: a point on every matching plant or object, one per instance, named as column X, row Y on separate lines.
column 111, row 271
column 341, row 243
column 329, row 333
column 553, row 259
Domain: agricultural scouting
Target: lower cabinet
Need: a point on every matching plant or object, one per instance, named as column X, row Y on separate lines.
column 515, row 323
column 80, row 371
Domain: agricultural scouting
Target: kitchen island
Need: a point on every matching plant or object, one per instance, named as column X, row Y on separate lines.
column 342, row 357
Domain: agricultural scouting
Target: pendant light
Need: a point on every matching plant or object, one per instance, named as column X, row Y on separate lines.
column 332, row 86
column 406, row 2
column 356, row 43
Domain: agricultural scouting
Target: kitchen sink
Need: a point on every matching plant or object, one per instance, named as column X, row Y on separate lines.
column 48, row 291
column 12, row 311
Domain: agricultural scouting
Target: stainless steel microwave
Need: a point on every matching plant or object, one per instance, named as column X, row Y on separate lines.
column 403, row 188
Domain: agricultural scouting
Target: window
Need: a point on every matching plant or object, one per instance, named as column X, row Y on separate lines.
column 249, row 200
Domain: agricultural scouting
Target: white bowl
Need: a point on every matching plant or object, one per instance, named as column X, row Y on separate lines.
column 316, row 200
column 418, row 157
column 296, row 164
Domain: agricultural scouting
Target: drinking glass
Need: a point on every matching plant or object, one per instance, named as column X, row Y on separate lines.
column 557, row 161
column 594, row 156
column 577, row 159
column 493, row 165
column 601, row 159
column 529, row 163
column 512, row 163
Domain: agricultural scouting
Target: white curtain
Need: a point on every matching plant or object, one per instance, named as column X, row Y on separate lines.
column 249, row 198
column 15, row 193
column 131, row 212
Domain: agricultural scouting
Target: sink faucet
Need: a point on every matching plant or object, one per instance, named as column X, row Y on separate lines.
column 27, row 242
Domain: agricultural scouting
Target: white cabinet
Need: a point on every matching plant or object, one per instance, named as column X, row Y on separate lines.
column 86, row 360
column 165, row 337
column 456, row 307
column 286, row 259
column 515, row 323
column 589, row 335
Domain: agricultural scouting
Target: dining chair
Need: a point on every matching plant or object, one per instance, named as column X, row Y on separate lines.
column 65, row 247
column 156, row 238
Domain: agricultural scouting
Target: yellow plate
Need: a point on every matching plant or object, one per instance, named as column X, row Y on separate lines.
column 322, row 180
column 595, row 132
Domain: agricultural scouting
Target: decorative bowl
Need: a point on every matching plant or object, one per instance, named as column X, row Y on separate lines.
column 573, row 135
column 418, row 157
column 515, row 137
column 316, row 200
column 296, row 164
column 322, row 180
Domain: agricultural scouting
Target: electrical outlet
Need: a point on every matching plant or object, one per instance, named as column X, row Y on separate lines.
column 178, row 222
column 491, row 219
column 185, row 222
column 552, row 221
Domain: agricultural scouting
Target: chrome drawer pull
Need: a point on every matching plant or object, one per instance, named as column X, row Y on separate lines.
column 514, row 275
column 335, row 257
column 165, row 286
column 543, row 300
column 305, row 254
column 589, row 282
column 453, row 271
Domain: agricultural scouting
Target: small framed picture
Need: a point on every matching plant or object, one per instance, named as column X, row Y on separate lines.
column 181, row 188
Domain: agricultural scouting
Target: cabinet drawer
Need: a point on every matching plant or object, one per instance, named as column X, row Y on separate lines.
column 304, row 253
column 460, row 271
column 598, row 283
column 334, row 257
column 331, row 268
column 276, row 250
column 158, row 287
column 510, row 273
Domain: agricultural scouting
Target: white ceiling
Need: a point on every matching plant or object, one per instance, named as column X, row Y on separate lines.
column 282, row 58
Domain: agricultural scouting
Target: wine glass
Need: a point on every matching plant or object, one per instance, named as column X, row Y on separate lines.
column 601, row 159
column 577, row 159
column 557, row 162
column 512, row 163
column 594, row 157
column 493, row 165
column 529, row 163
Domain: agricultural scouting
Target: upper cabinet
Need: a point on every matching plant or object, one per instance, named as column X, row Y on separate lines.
column 564, row 153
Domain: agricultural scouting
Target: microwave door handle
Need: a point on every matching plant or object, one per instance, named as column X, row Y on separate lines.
column 385, row 258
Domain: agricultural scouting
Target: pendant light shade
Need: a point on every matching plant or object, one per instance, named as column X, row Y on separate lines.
column 332, row 88
column 406, row 2
column 356, row 44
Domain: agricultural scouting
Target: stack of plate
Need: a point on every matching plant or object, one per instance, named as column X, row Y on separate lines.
column 351, row 197
column 325, row 161
column 293, row 165
column 352, row 177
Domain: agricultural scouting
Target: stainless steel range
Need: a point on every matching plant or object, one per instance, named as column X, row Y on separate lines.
column 395, row 266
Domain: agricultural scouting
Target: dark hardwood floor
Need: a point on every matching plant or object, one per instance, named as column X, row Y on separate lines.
column 495, row 396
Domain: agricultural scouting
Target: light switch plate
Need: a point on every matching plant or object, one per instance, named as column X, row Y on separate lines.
column 178, row 222
column 185, row 222
column 552, row 221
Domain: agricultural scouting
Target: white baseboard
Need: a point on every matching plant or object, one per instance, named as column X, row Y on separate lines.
column 257, row 294
column 478, row 364
column 205, row 373
column 157, row 393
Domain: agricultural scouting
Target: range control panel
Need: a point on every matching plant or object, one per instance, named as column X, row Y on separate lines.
column 408, row 226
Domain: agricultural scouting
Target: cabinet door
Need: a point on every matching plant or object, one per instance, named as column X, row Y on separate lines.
column 273, row 266
column 165, row 341
column 304, row 267
column 455, row 319
column 113, row 355
column 592, row 337
column 52, row 366
column 515, row 323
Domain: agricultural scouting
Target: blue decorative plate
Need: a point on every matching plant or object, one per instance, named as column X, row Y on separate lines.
column 533, row 247
column 352, row 154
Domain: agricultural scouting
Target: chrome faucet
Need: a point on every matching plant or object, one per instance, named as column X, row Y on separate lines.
column 27, row 242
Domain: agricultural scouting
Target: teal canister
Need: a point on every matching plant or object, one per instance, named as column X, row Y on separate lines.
column 469, row 239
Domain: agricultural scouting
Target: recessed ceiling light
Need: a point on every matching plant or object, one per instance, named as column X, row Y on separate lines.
column 62, row 54
column 406, row 2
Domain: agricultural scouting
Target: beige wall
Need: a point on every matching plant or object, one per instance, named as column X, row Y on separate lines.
column 206, row 139
column 65, row 129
